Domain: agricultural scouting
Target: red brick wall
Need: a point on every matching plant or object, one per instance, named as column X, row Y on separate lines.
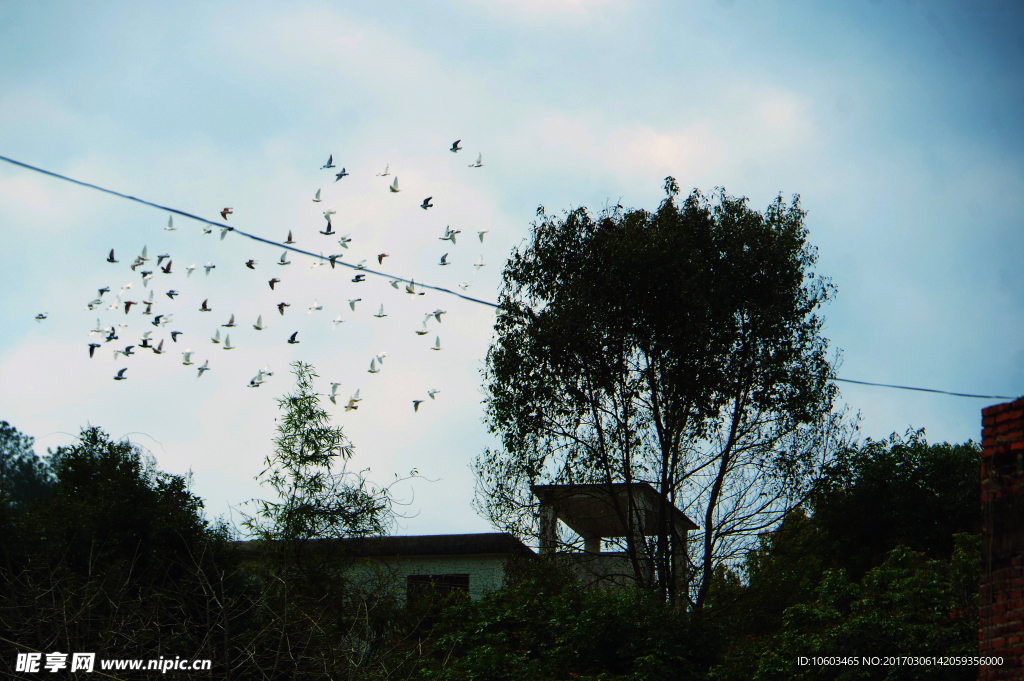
column 1001, row 627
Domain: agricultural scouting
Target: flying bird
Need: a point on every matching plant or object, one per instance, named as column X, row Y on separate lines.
column 449, row 234
column 105, row 289
column 380, row 258
column 120, row 375
column 432, row 393
column 143, row 256
column 351, row 405
column 251, row 264
column 128, row 352
column 209, row 266
column 272, row 282
column 333, row 259
column 208, row 229
column 127, row 306
column 205, row 367
column 166, row 269
column 172, row 293
column 410, row 288
column 226, row 212
column 437, row 314
column 437, row 344
column 224, row 232
column 340, row 175
column 92, row 348
column 426, row 203
column 481, row 233
column 231, row 323
column 42, row 315
column 259, row 323
column 359, row 278
column 330, row 229
column 145, row 340
column 361, row 265
column 188, row 357
column 315, row 307
column 330, row 162
column 293, row 339
column 394, row 186
column 161, row 258
column 479, row 162
column 381, row 313
column 479, row 263
column 337, row 320
column 423, row 331
column 394, row 283
column 334, row 393
column 98, row 329
column 204, row 307
column 216, row 336
column 416, row 405
column 112, row 336
column 174, row 335
column 170, row 224
column 256, row 380
column 227, row 343
column 385, row 173
column 189, row 269
column 156, row 320
column 455, row 147
column 289, row 240
column 282, row 306
column 110, row 258
column 373, row 367
column 316, row 199
column 444, row 260
column 159, row 349
column 328, row 213
column 344, row 241
column 284, row 259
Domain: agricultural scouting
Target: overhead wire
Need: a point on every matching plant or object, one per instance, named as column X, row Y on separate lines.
column 441, row 289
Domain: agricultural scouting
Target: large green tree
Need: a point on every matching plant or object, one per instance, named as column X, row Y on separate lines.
column 681, row 348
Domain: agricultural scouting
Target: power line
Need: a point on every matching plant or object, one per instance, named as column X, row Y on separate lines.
column 221, row 225
column 926, row 390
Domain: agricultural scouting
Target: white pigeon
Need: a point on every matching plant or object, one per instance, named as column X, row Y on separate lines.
column 188, row 357
column 423, row 331
column 437, row 344
column 165, row 319
column 209, row 266
column 356, row 398
column 259, row 323
column 432, row 393
column 227, row 343
column 337, row 320
column 479, row 162
column 385, row 173
column 315, row 307
column 373, row 367
column 189, row 269
column 316, row 199
column 143, row 256
column 205, row 367
column 125, row 288
column 361, row 265
column 334, row 393
column 98, row 329
column 343, row 241
column 170, row 224
column 267, row 371
column 284, row 259
column 465, row 285
column 381, row 313
column 256, row 380
column 444, row 260
column 329, row 212
column 394, row 283
column 380, row 356
column 224, row 232
column 394, row 186
column 352, row 303
column 207, row 229
column 479, row 263
column 216, row 337
column 437, row 314
column 481, row 233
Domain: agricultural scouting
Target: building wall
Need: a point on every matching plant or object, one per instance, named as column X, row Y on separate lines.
column 1001, row 605
column 486, row 571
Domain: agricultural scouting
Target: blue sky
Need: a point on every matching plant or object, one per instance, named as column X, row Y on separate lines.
column 898, row 123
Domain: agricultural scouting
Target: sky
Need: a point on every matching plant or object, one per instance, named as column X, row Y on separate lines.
column 897, row 122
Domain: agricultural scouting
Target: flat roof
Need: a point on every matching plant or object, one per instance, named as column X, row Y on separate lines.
column 594, row 509
column 501, row 543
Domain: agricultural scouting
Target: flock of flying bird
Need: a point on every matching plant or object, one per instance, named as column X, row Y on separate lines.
column 144, row 266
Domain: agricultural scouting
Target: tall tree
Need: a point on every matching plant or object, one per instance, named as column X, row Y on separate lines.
column 680, row 348
column 24, row 476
